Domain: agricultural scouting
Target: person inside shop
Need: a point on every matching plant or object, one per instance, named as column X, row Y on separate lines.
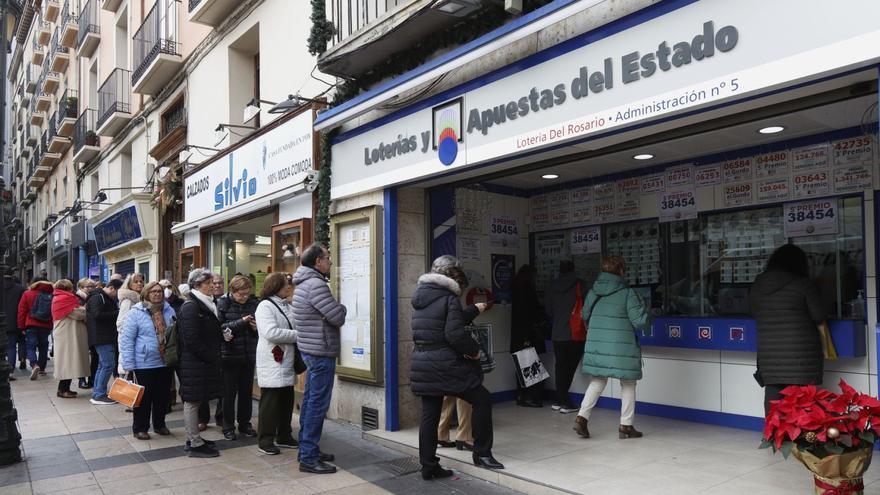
column 445, row 362
column 613, row 312
column 560, row 300
column 528, row 328
column 788, row 311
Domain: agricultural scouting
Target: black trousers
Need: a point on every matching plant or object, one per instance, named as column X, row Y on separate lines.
column 568, row 357
column 205, row 412
column 93, row 356
column 276, row 414
column 481, row 424
column 238, row 384
column 157, row 395
column 771, row 392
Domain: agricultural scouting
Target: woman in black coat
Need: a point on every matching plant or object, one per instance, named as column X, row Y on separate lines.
column 788, row 310
column 200, row 336
column 526, row 322
column 445, row 361
column 238, row 355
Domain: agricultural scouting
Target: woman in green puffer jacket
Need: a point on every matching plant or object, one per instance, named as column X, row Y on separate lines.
column 613, row 312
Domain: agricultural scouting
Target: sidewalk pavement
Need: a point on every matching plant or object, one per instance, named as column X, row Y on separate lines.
column 72, row 447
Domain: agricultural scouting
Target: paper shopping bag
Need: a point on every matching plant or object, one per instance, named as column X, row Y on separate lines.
column 126, row 392
column 529, row 369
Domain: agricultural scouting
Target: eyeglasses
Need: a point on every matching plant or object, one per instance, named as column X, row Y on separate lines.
column 157, row 291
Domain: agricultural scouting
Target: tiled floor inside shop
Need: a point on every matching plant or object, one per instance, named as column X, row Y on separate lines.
column 543, row 454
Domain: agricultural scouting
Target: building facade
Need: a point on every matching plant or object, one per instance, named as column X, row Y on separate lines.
column 692, row 138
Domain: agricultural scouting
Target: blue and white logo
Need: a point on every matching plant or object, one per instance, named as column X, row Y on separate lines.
column 234, row 189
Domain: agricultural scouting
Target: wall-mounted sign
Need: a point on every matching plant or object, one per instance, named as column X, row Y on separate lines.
column 119, row 229
column 854, row 178
column 859, row 149
column 704, row 53
column 503, row 270
column 586, row 240
column 738, row 194
column 270, row 163
column 810, row 218
column 815, row 183
column 678, row 205
column 707, row 175
column 503, row 231
column 771, row 165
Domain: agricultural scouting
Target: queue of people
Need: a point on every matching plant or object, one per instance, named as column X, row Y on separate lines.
column 200, row 339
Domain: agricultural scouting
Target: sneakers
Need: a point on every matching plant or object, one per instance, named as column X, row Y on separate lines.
column 203, row 451
column 230, row 435
column 564, row 408
column 102, row 401
column 270, row 450
column 555, row 406
column 287, row 444
column 248, row 431
column 209, row 443
column 35, row 372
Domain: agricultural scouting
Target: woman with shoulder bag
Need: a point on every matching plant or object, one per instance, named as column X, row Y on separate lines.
column 142, row 352
column 276, row 355
column 614, row 313
column 238, row 354
column 71, row 338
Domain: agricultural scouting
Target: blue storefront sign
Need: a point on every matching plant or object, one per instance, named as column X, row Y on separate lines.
column 118, row 229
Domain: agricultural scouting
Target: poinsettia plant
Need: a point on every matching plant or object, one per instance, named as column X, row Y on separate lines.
column 821, row 422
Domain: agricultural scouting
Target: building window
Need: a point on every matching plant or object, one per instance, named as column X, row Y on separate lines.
column 173, row 117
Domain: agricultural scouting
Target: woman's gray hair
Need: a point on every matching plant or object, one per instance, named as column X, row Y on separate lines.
column 199, row 276
column 446, row 265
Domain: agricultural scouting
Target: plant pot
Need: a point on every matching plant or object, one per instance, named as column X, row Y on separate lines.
column 837, row 474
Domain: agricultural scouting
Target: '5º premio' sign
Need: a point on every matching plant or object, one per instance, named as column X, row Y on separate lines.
column 810, row 218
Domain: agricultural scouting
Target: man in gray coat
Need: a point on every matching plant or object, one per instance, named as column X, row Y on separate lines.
column 318, row 317
column 559, row 300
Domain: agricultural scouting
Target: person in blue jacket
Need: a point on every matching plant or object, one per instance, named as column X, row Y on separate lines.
column 141, row 349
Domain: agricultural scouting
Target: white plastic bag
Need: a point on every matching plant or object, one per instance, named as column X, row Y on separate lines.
column 529, row 368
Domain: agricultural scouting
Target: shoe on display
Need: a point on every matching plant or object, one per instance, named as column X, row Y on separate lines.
column 270, row 450
column 203, row 451
column 317, row 468
column 102, row 401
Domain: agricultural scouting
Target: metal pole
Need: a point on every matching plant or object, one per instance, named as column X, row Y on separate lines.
column 10, row 438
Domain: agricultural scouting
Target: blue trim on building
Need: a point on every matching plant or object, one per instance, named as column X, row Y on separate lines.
column 693, row 415
column 392, row 400
column 647, row 14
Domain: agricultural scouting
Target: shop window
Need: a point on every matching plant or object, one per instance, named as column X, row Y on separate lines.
column 288, row 242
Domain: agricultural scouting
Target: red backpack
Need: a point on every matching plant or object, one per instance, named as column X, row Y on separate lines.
column 575, row 320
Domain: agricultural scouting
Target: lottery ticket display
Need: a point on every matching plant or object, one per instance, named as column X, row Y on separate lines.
column 639, row 244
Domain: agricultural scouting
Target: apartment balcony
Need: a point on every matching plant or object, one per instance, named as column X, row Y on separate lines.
column 37, row 118
column 44, row 33
column 51, row 9
column 68, row 110
column 86, row 143
column 43, row 102
column 89, row 29
column 156, row 50
column 25, row 99
column 69, row 25
column 210, row 12
column 37, row 175
column 30, row 136
column 114, row 103
column 57, row 144
column 47, row 158
column 30, row 79
column 59, row 53
column 38, row 54
column 51, row 83
column 110, row 5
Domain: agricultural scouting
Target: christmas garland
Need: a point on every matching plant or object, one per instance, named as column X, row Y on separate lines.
column 322, row 29
column 322, row 216
column 166, row 192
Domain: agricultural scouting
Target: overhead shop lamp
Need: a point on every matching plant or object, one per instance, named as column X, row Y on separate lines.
column 457, row 8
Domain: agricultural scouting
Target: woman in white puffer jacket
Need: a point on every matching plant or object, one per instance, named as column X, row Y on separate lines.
column 275, row 358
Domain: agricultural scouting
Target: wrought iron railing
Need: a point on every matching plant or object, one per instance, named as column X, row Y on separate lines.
column 193, row 4
column 69, row 14
column 44, row 143
column 89, row 20
column 30, row 77
column 158, row 34
column 56, row 45
column 349, row 16
column 114, row 95
column 84, row 131
column 68, row 105
column 172, row 119
column 52, row 130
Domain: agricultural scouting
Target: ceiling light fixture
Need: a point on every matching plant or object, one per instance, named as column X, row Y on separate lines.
column 773, row 129
column 643, row 156
column 549, row 176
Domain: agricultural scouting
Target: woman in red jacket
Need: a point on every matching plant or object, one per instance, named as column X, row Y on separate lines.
column 35, row 316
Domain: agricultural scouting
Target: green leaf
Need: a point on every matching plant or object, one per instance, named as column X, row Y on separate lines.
column 786, row 449
column 765, row 444
column 846, row 440
column 867, row 436
column 833, row 448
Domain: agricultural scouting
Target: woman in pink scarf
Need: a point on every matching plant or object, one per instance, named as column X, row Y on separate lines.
column 71, row 338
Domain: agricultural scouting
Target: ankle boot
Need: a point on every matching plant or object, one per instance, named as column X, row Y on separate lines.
column 627, row 431
column 431, row 472
column 580, row 426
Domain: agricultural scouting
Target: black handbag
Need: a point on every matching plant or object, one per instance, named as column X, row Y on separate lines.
column 299, row 366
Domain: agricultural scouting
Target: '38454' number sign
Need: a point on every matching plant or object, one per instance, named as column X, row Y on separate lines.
column 805, row 218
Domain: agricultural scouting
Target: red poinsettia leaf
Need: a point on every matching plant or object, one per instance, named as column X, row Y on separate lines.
column 846, row 389
column 865, row 400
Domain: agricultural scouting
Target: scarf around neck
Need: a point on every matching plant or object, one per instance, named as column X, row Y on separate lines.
column 63, row 303
column 206, row 300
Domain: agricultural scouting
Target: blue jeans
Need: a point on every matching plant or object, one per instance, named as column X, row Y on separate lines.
column 38, row 340
column 316, row 401
column 106, row 365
